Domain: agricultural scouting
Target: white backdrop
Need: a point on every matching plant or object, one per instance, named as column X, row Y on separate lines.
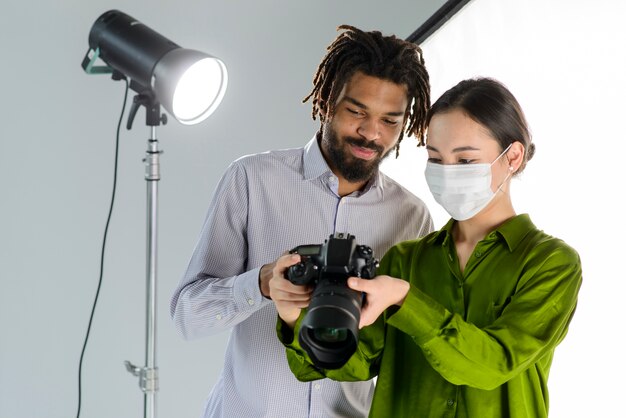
column 565, row 61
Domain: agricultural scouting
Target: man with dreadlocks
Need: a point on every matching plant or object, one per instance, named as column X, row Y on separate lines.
column 368, row 91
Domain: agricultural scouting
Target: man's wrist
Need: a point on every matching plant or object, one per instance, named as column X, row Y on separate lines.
column 264, row 279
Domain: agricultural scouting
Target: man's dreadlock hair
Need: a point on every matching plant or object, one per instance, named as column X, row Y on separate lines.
column 385, row 57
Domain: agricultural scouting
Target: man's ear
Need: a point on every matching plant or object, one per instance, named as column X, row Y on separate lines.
column 323, row 111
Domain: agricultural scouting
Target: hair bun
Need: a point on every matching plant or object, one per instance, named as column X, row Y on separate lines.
column 530, row 152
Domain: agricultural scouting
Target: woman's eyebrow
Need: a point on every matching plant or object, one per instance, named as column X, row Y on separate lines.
column 458, row 149
column 465, row 148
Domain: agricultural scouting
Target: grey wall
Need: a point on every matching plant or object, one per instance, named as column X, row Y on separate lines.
column 57, row 128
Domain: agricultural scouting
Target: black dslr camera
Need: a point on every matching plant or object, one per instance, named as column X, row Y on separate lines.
column 329, row 331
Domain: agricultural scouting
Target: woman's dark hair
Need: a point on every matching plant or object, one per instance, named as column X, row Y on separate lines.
column 385, row 57
column 490, row 103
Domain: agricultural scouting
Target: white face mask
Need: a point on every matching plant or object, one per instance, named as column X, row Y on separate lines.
column 462, row 189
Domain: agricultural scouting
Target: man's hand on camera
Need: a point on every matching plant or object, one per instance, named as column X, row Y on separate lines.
column 288, row 297
column 382, row 292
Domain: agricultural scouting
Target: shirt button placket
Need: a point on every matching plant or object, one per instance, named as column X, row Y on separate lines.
column 316, row 400
column 341, row 217
column 451, row 403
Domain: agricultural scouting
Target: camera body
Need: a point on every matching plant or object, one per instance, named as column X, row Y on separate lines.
column 338, row 258
column 329, row 330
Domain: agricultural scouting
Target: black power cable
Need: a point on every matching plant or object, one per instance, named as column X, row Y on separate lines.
column 106, row 230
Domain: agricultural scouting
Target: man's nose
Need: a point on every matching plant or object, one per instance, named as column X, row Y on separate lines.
column 369, row 129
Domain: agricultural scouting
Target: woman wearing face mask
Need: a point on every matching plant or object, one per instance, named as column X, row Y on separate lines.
column 463, row 322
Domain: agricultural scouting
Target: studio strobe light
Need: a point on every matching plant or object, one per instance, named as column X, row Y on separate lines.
column 190, row 85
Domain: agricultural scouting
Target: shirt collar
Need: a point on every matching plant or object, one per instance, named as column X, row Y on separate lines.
column 315, row 165
column 511, row 232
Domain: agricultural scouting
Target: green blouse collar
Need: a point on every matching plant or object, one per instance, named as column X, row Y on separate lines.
column 512, row 232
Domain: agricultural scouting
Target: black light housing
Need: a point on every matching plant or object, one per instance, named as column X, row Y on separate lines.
column 189, row 84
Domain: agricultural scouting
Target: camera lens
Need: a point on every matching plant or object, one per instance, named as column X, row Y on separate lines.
column 330, row 335
column 329, row 331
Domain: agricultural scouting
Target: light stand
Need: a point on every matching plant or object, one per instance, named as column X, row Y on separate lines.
column 149, row 374
column 189, row 85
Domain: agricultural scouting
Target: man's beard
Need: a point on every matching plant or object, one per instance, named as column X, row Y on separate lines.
column 351, row 168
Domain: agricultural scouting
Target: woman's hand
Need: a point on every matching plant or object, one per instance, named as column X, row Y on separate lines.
column 381, row 292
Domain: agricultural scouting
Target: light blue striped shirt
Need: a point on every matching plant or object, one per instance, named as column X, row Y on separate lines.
column 264, row 205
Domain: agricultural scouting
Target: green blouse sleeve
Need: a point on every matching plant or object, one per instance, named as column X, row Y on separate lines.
column 532, row 324
column 363, row 365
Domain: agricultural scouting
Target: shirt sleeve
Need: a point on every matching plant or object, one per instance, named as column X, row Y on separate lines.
column 531, row 325
column 217, row 291
column 363, row 365
column 427, row 225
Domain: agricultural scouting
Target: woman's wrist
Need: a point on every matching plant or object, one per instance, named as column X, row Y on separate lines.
column 404, row 288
